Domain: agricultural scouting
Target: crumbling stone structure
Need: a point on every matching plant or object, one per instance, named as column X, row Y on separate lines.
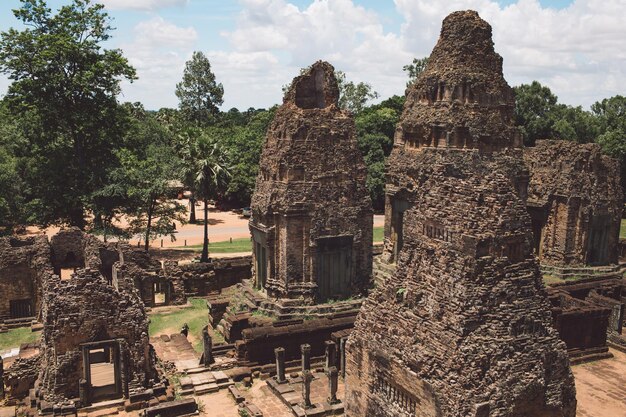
column 460, row 103
column 23, row 263
column 589, row 316
column 91, row 316
column 575, row 202
column 88, row 321
column 463, row 326
column 311, row 212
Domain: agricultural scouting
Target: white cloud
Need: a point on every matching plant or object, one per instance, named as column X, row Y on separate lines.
column 578, row 51
column 349, row 36
column 142, row 4
column 158, row 51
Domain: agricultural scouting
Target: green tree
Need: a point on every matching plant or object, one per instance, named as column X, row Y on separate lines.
column 611, row 116
column 64, row 88
column 11, row 184
column 353, row 96
column 146, row 180
column 243, row 147
column 212, row 175
column 199, row 94
column 375, row 127
column 414, row 69
column 534, row 111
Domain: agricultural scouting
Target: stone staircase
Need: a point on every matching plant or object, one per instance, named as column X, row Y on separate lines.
column 199, row 380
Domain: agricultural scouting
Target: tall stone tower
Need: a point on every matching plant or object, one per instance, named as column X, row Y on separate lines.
column 463, row 327
column 311, row 211
column 460, row 103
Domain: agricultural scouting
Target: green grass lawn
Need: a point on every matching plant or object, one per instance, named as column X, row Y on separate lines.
column 15, row 337
column 238, row 245
column 245, row 244
column 196, row 316
column 379, row 234
column 622, row 230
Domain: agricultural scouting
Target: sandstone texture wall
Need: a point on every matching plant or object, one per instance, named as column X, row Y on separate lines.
column 575, row 200
column 23, row 265
column 463, row 327
column 88, row 309
column 311, row 211
column 460, row 103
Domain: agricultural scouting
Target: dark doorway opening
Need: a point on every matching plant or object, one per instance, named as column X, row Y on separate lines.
column 21, row 308
column 538, row 217
column 398, row 207
column 261, row 261
column 598, row 245
column 334, row 267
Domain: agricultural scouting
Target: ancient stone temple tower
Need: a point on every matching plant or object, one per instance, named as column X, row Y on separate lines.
column 463, row 327
column 311, row 212
column 575, row 203
column 460, row 103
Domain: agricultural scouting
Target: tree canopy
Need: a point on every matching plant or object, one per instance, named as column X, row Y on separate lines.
column 63, row 95
column 199, row 94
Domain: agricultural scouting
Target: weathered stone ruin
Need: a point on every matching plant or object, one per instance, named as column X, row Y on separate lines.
column 23, row 263
column 589, row 316
column 461, row 103
column 575, row 202
column 94, row 344
column 311, row 212
column 89, row 326
column 463, row 327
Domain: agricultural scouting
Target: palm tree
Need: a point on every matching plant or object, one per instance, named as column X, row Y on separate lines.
column 211, row 181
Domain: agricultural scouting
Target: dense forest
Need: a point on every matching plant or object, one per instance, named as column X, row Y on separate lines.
column 72, row 154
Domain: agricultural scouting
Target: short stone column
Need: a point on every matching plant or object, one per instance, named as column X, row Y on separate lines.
column 280, row 365
column 208, row 347
column 306, row 357
column 331, row 354
column 83, row 392
column 307, row 377
column 1, row 378
column 333, row 382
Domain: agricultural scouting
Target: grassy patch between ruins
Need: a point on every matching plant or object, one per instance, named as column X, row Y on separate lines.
column 245, row 244
column 15, row 337
column 379, row 234
column 237, row 245
column 196, row 316
column 622, row 229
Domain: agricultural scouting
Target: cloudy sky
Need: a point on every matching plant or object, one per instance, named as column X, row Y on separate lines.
column 576, row 47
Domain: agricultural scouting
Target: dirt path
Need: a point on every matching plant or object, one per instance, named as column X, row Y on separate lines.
column 223, row 225
column 601, row 387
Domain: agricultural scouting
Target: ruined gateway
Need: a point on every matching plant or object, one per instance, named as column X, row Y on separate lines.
column 463, row 327
column 311, row 211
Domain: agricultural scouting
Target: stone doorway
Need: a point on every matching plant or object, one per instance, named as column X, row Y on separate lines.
column 260, row 252
column 398, row 207
column 21, row 308
column 598, row 246
column 161, row 293
column 102, row 371
column 334, row 267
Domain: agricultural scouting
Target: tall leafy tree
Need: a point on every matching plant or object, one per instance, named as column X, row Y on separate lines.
column 534, row 108
column 64, row 88
column 353, row 96
column 611, row 116
column 414, row 69
column 199, row 94
column 212, row 175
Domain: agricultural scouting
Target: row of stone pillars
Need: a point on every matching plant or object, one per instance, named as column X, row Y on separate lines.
column 307, row 376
